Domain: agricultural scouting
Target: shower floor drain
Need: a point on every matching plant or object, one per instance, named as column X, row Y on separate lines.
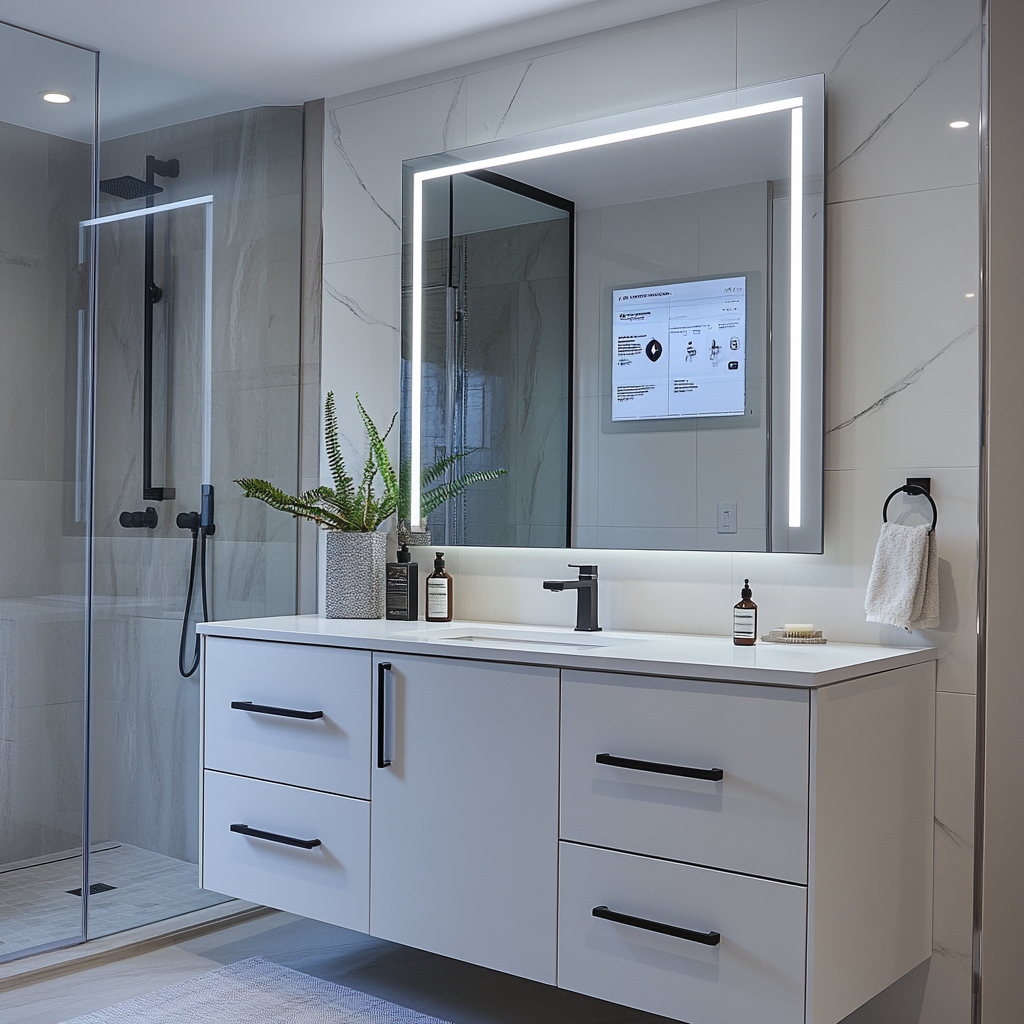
column 93, row 889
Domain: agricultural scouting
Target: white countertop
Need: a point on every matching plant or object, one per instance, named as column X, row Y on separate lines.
column 662, row 654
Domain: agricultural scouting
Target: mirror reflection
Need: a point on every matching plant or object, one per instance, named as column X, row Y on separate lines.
column 612, row 334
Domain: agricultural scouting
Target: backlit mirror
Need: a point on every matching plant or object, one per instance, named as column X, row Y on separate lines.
column 612, row 331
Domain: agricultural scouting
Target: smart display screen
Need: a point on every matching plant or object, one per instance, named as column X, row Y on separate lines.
column 679, row 350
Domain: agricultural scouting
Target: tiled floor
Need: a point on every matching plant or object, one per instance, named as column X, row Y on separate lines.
column 434, row 985
column 36, row 907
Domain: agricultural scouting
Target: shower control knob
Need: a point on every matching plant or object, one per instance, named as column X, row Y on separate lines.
column 138, row 520
column 188, row 521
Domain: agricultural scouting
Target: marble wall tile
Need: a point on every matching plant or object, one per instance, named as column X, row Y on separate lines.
column 26, row 565
column 641, row 65
column 362, row 347
column 896, row 74
column 516, row 98
column 902, row 349
column 364, row 146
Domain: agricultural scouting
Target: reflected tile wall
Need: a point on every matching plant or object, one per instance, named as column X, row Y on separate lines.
column 145, row 780
column 901, row 339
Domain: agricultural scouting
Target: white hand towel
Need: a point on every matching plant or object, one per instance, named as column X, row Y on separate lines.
column 904, row 586
column 929, row 615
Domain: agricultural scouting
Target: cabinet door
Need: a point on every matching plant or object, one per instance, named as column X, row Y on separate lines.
column 464, row 820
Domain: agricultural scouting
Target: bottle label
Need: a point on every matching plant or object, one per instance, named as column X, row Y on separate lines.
column 744, row 622
column 437, row 599
column 397, row 589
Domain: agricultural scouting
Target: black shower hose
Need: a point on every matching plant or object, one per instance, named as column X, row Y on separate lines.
column 201, row 545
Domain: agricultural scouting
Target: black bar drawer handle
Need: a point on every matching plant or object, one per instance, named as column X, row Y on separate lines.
column 267, row 709
column 713, row 774
column 707, row 938
column 383, row 761
column 274, row 837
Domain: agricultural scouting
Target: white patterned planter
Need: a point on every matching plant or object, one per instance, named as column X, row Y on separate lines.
column 355, row 575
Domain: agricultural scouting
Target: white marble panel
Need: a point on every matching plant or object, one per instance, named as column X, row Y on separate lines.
column 902, row 350
column 643, row 65
column 364, row 146
column 896, row 74
column 362, row 349
column 518, row 98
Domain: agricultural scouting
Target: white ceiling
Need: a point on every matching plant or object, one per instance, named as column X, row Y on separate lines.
column 197, row 55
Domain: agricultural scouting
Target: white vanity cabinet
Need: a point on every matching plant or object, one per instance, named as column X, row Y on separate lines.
column 719, row 835
column 464, row 820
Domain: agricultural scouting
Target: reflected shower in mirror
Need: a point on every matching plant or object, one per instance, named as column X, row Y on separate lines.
column 672, row 257
column 497, row 298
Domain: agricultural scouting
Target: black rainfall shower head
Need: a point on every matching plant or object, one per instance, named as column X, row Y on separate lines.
column 127, row 187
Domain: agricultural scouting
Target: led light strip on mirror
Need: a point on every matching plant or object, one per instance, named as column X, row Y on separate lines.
column 793, row 104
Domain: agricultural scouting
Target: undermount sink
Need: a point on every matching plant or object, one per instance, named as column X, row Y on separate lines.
column 529, row 638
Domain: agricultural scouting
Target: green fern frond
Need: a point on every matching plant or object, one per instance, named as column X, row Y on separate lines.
column 437, row 469
column 378, row 448
column 342, row 481
column 429, row 500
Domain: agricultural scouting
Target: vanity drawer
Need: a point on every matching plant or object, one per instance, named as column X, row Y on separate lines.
column 754, row 819
column 330, row 752
column 754, row 975
column 329, row 882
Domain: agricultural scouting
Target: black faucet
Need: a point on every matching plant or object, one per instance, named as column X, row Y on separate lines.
column 586, row 603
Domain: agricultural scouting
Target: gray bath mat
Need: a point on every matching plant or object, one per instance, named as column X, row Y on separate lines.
column 255, row 991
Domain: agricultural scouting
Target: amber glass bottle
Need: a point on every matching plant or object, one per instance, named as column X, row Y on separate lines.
column 439, row 592
column 744, row 619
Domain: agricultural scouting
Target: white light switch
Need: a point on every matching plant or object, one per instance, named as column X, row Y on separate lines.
column 727, row 517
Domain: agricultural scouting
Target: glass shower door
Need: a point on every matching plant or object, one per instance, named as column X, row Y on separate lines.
column 46, row 166
column 197, row 362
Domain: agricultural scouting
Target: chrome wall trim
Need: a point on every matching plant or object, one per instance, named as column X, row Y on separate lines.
column 982, row 621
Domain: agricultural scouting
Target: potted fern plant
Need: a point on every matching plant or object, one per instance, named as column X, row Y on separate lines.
column 356, row 551
column 350, row 513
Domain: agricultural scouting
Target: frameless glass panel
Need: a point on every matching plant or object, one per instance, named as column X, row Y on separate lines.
column 210, row 417
column 46, row 165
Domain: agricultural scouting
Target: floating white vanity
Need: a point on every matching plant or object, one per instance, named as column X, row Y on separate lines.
column 719, row 834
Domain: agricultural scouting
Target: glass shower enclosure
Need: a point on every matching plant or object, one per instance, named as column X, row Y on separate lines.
column 150, row 302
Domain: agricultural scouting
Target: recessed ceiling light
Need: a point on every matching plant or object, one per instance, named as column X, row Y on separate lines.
column 57, row 97
column 959, row 124
column 969, row 295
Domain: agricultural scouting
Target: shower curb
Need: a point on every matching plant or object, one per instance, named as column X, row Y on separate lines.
column 54, row 963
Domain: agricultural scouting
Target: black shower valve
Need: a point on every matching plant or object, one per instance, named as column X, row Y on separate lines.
column 188, row 521
column 139, row 520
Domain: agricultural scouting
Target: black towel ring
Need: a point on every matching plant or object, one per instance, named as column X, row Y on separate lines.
column 914, row 487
